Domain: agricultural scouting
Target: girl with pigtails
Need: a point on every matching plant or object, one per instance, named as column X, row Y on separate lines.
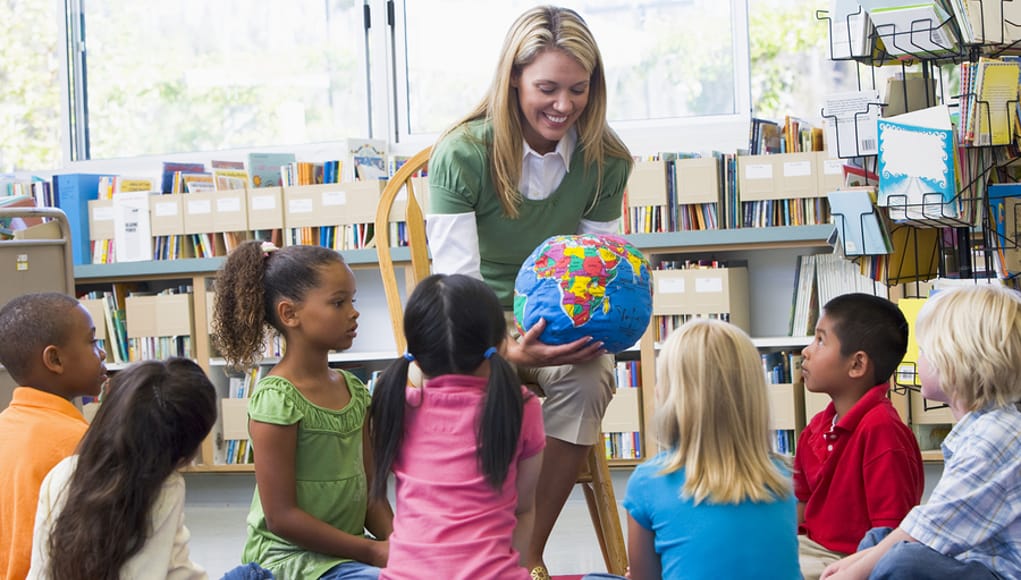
column 465, row 448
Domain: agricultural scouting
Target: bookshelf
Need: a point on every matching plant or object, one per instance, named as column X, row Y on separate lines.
column 932, row 50
column 374, row 347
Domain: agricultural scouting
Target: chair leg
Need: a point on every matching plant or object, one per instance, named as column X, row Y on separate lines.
column 602, row 506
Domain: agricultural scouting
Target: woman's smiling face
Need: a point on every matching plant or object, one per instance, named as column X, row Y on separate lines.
column 552, row 93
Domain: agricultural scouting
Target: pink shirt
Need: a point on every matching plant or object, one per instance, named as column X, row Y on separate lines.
column 448, row 520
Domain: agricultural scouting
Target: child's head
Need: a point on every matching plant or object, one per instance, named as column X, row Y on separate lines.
column 453, row 325
column 450, row 321
column 151, row 422
column 969, row 342
column 51, row 345
column 714, row 414
column 305, row 291
column 859, row 341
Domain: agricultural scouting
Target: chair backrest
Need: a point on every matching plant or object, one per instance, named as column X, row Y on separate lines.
column 415, row 219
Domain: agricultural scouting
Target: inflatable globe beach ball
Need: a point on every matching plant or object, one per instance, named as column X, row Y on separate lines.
column 585, row 285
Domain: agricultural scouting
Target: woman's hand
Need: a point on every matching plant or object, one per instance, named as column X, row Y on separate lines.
column 532, row 352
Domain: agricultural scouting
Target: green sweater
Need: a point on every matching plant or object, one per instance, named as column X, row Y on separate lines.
column 460, row 182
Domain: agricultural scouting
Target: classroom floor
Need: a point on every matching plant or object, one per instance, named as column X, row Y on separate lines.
column 217, row 505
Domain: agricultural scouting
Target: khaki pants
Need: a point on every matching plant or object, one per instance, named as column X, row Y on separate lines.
column 576, row 396
column 814, row 558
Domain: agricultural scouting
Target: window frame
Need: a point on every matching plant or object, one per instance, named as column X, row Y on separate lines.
column 387, row 107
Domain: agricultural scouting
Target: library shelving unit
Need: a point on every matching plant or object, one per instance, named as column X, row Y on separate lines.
column 767, row 257
column 777, row 247
column 199, row 274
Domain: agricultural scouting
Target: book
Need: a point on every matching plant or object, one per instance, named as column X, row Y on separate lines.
column 1004, row 205
column 849, row 29
column 73, row 192
column 366, row 159
column 264, row 168
column 850, row 119
column 996, row 101
column 132, row 231
column 172, row 167
column 916, row 29
column 917, row 157
column 857, row 222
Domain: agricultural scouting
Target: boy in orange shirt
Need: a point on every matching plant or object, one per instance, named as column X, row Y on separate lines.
column 50, row 349
column 857, row 464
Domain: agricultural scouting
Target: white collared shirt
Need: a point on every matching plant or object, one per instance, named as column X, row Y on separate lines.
column 454, row 239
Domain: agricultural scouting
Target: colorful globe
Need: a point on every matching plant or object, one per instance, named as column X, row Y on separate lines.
column 585, row 285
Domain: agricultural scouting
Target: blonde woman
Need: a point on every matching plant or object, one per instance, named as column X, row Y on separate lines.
column 536, row 158
column 716, row 503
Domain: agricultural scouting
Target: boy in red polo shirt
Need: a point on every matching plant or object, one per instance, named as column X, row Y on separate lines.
column 50, row 349
column 857, row 464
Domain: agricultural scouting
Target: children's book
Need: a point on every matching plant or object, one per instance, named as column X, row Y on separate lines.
column 172, row 167
column 366, row 159
column 920, row 29
column 1004, row 206
column 850, row 119
column 264, row 168
column 996, row 103
column 857, row 222
column 917, row 165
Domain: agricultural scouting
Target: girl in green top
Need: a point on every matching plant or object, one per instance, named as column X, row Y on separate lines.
column 311, row 508
column 536, row 158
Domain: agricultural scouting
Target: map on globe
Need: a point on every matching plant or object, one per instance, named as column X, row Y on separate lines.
column 582, row 272
column 597, row 282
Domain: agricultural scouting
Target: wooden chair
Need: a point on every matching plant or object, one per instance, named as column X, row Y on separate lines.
column 595, row 475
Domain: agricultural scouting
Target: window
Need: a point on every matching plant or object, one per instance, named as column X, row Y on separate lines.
column 665, row 59
column 166, row 77
column 153, row 80
column 30, row 81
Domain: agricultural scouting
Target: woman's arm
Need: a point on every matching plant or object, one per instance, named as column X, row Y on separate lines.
column 641, row 550
column 379, row 517
column 274, row 475
column 528, row 477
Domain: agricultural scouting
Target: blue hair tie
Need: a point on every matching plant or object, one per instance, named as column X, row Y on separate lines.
column 490, row 352
column 409, row 357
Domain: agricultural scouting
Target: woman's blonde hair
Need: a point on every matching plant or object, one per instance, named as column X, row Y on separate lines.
column 537, row 30
column 714, row 415
column 972, row 338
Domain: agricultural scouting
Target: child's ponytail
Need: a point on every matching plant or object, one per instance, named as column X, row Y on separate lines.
column 500, row 423
column 239, row 315
column 387, row 421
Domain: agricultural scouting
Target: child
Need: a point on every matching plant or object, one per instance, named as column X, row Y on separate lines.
column 310, row 511
column 116, row 509
column 717, row 503
column 49, row 348
column 465, row 448
column 969, row 351
column 857, row 464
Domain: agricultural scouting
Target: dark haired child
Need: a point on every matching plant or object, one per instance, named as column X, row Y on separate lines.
column 310, row 509
column 50, row 349
column 465, row 448
column 857, row 464
column 116, row 508
column 970, row 528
